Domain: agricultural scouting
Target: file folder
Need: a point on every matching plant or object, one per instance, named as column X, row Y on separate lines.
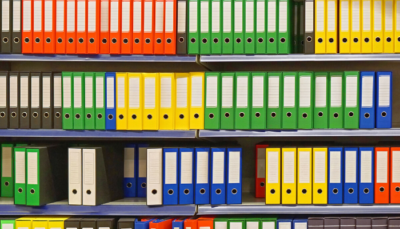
column 309, row 41
column 15, row 36
column 388, row 32
column 320, row 26
column 273, row 176
column 384, row 100
column 79, row 100
column 382, row 175
column 4, row 99
column 193, row 33
column 344, row 34
column 14, row 100
column 27, row 24
column 272, row 28
column 121, row 99
column 285, row 27
column 5, row 32
column 186, row 175
column 196, row 100
column 130, row 170
column 234, row 176
column 238, row 27
column 47, row 104
column 335, row 172
column 37, row 25
column 202, row 187
column 181, row 46
column 290, row 100
column 212, row 110
column 126, row 28
column 151, row 109
column 352, row 106
column 366, row 187
column 243, row 100
column 25, row 102
column 320, row 173
column 167, row 101
column 159, row 27
column 104, row 27
column 170, row 27
column 258, row 118
column 274, row 109
column 142, row 170
column 218, row 183
column 70, row 27
column 75, row 176
column 227, row 101
column 110, row 111
column 260, row 27
column 304, row 176
column 351, row 170
column 7, row 170
column 366, row 26
column 60, row 26
column 336, row 110
column 227, row 27
column 377, row 26
column 367, row 100
column 216, row 27
column 394, row 175
column 182, row 101
column 100, row 109
column 90, row 100
column 49, row 42
column 331, row 26
column 321, row 108
column 81, row 26
column 249, row 26
column 355, row 31
column 67, row 101
column 204, row 27
column 170, row 176
column 115, row 27
column 289, row 173
column 306, row 101
column 93, row 20
column 154, row 174
column 58, row 100
column 135, row 101
column 36, row 100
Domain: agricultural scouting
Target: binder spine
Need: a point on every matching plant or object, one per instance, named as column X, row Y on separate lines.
column 4, row 100
column 36, row 100
column 25, row 103
column 181, row 28
column 309, row 34
column 6, row 10
column 15, row 39
column 47, row 100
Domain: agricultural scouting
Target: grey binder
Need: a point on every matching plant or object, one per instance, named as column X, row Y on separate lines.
column 331, row 223
column 181, row 44
column 47, row 100
column 36, row 100
column 347, row 223
column 126, row 223
column 16, row 27
column 309, row 31
column 24, row 101
column 4, row 99
column 57, row 101
column 5, row 26
column 379, row 222
column 14, row 100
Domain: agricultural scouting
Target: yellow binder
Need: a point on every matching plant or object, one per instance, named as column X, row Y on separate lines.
column 355, row 31
column 273, row 176
column 366, row 31
column 122, row 101
column 344, row 32
column 304, row 176
column 320, row 177
column 289, row 172
column 24, row 222
column 57, row 222
column 40, row 222
column 151, row 120
column 320, row 30
column 135, row 101
column 182, row 101
column 388, row 30
column 396, row 27
column 377, row 30
column 167, row 101
column 331, row 27
column 197, row 100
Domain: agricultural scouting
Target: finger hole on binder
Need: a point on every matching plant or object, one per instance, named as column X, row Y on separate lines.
column 114, row 40
column 149, row 116
column 13, row 114
column 335, row 115
column 26, row 40
column 181, row 116
column 121, row 116
column 70, row 40
column 262, row 184
column 5, row 40
column 260, row 40
column 110, row 117
column 238, row 40
column 88, row 192
column 272, row 191
column 351, row 114
column 227, row 114
column 309, row 39
column 35, row 114
column 77, row 116
column 91, row 40
column 46, row 114
column 304, row 115
column 288, row 191
column 170, row 192
column 211, row 115
column 193, row 40
column 227, row 40
column 204, row 40
column 366, row 115
column 196, row 115
column 80, row 40
column 366, row 40
column 273, row 114
column 24, row 114
column 137, row 41
column 202, row 191
column 134, row 116
column 249, row 40
column 355, row 40
column 320, row 114
column 234, row 191
column 215, row 40
column 2, row 114
column 20, row 190
column 304, row 191
column 6, row 183
column 89, row 116
column 289, row 114
column 165, row 116
column 388, row 39
column 320, row 40
column 129, row 185
column 257, row 114
column 143, row 185
column 283, row 40
column 366, row 190
column 37, row 40
column 319, row 191
column 331, row 40
column 181, row 40
column 169, row 41
column 397, row 189
column 74, row 191
column 377, row 39
column 218, row 191
column 104, row 41
column 59, row 40
column 344, row 40
column 125, row 41
column 158, row 41
column 351, row 190
column 384, row 114
column 58, row 115
column 32, row 191
column 186, row 191
column 241, row 114
column 16, row 40
column 271, row 40
column 99, row 116
column 335, row 191
column 381, row 189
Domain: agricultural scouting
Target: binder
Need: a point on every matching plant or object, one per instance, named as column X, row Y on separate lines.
column 161, row 223
column 47, row 103
column 366, row 26
column 126, row 27
column 128, row 223
column 81, row 26
column 204, row 27
column 268, row 223
column 73, row 222
column 238, row 223
column 290, row 100
column 90, row 100
column 182, row 101
column 170, row 176
column 115, row 27
column 238, row 27
column 137, row 29
column 170, row 27
column 351, row 170
column 396, row 29
column 67, row 101
column 24, row 222
column 178, row 223
column 332, row 222
column 151, row 109
column 377, row 26
column 58, row 95
column 181, row 46
column 253, row 222
column 148, row 27
column 121, row 99
column 274, row 109
column 24, row 102
column 384, row 100
column 79, row 100
column 321, row 99
column 367, row 100
column 60, row 16
column 306, row 101
column 364, row 222
column 243, row 100
column 289, row 175
column 15, row 36
column 234, row 176
column 8, row 222
column 167, row 101
column 36, row 100
column 335, row 173
column 4, row 99
column 14, row 100
column 320, row 172
column 93, row 20
column 70, row 26
column 100, row 107
column 320, row 26
column 336, row 100
column 218, row 183
column 206, row 221
column 228, row 97
column 20, row 176
column 186, row 175
column 216, row 27
column 344, row 34
column 258, row 118
column 388, row 31
column 285, row 27
column 142, row 223
column 366, row 178
column 88, row 223
column 49, row 25
column 300, row 223
column 273, row 176
column 220, row 222
column 104, row 27
column 75, row 176
column 155, row 174
column 142, row 170
column 202, row 187
column 272, row 28
column 352, row 106
column 260, row 27
column 110, row 111
column 379, row 222
column 135, row 101
column 159, row 26
column 304, row 176
column 7, row 170
column 309, row 41
column 394, row 175
column 130, row 170
column 227, row 27
column 382, row 175
column 6, row 11
column 27, row 24
column 355, row 31
column 212, row 109
column 331, row 26
column 249, row 26
column 196, row 120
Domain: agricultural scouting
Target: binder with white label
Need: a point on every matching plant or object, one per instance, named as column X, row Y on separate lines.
column 36, row 100
column 47, row 104
column 75, row 176
column 154, row 176
column 4, row 99
column 24, row 102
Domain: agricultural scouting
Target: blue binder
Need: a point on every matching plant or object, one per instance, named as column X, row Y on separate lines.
column 111, row 124
column 384, row 101
column 202, row 179
column 367, row 100
column 218, row 176
column 366, row 178
column 129, row 178
column 335, row 175
column 170, row 176
column 178, row 223
column 234, row 176
column 286, row 221
column 142, row 176
column 186, row 175
column 300, row 221
column 351, row 171
column 142, row 223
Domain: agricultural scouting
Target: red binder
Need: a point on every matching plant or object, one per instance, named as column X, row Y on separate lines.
column 260, row 171
column 170, row 27
column 27, row 46
column 137, row 30
column 395, row 175
column 81, row 26
column 165, row 224
column 60, row 16
column 115, row 26
column 190, row 223
column 37, row 16
column 148, row 27
column 104, row 26
column 206, row 222
column 126, row 28
column 159, row 27
column 49, row 26
column 71, row 27
column 93, row 17
column 382, row 175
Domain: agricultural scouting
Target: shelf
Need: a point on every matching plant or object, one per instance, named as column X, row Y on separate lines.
column 124, row 207
column 299, row 57
column 97, row 58
column 43, row 133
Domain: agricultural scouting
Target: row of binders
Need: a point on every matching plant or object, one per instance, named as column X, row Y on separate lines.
column 328, row 175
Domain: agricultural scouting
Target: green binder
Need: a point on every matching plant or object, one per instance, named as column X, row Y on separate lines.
column 285, row 26
column 5, row 224
column 254, row 221
column 306, row 101
column 221, row 221
column 259, row 102
column 238, row 27
column 212, row 110
column 227, row 101
column 272, row 27
column 249, row 28
column 290, row 100
column 274, row 100
column 100, row 110
column 336, row 100
column 321, row 99
column 205, row 31
column 90, row 101
column 236, row 222
column 79, row 100
column 193, row 35
column 67, row 100
column 352, row 105
column 20, row 176
column 243, row 100
column 7, row 171
column 216, row 27
column 269, row 220
column 261, row 26
column 227, row 27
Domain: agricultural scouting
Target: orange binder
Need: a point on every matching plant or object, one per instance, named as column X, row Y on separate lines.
column 71, row 27
column 161, row 224
column 27, row 26
column 81, row 26
column 126, row 28
column 115, row 26
column 60, row 23
column 93, row 15
column 170, row 27
column 148, row 27
column 49, row 27
column 159, row 27
column 382, row 175
column 394, row 175
column 191, row 223
column 37, row 16
column 104, row 27
column 137, row 29
column 206, row 222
